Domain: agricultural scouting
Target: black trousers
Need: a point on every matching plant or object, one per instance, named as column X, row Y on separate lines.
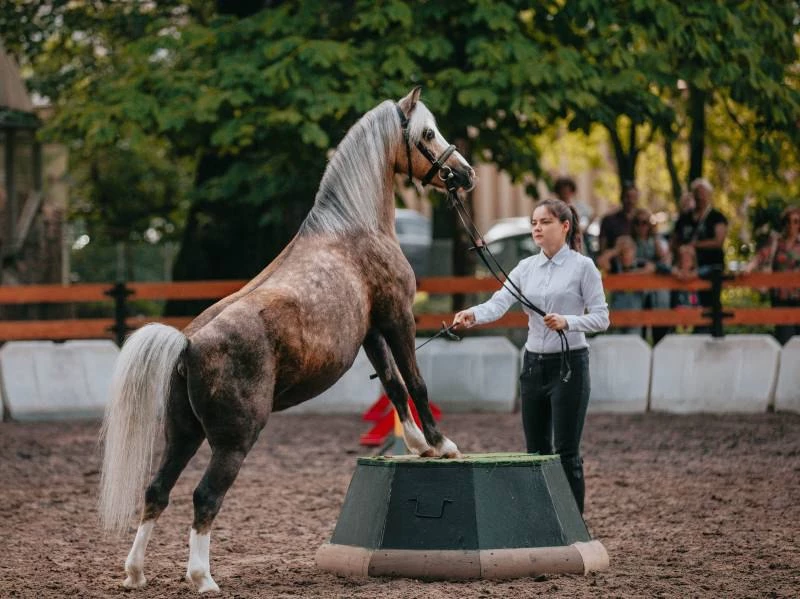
column 553, row 412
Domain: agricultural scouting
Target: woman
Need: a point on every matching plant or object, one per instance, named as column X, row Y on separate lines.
column 782, row 254
column 655, row 251
column 564, row 284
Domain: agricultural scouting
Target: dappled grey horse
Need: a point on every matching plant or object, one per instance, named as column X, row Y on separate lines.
column 285, row 337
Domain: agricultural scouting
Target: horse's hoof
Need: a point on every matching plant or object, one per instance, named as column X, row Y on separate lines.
column 448, row 449
column 135, row 580
column 453, row 456
column 202, row 581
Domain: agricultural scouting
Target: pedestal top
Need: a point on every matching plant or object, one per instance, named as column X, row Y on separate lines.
column 476, row 460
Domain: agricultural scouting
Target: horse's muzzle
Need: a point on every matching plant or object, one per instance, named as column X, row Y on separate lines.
column 458, row 178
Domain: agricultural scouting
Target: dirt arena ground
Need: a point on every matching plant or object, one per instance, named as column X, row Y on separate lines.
column 692, row 506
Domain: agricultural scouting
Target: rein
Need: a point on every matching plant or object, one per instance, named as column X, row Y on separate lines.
column 479, row 244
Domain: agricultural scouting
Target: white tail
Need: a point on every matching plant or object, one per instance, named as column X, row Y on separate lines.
column 139, row 388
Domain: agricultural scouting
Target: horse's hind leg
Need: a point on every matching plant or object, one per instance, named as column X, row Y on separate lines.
column 226, row 460
column 183, row 435
column 381, row 358
column 400, row 337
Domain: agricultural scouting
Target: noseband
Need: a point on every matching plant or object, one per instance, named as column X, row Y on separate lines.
column 437, row 164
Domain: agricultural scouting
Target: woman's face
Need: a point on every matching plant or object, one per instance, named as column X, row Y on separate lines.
column 641, row 226
column 548, row 232
column 793, row 223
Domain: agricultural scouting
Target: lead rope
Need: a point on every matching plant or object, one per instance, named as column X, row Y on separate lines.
column 480, row 246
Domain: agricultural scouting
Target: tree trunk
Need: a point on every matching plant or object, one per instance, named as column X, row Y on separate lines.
column 697, row 114
column 626, row 160
column 675, row 181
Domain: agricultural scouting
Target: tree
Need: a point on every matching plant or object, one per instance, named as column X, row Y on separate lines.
column 248, row 105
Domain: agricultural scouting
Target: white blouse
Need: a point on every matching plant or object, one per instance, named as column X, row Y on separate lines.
column 568, row 284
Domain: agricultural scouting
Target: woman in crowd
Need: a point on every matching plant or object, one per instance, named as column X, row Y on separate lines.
column 782, row 254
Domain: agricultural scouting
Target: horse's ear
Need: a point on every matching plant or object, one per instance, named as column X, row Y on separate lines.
column 409, row 103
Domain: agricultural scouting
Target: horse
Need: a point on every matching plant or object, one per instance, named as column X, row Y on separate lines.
column 286, row 336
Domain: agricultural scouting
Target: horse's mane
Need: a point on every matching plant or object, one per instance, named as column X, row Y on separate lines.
column 351, row 190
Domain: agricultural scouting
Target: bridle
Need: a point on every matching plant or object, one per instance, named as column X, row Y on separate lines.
column 437, row 164
column 479, row 244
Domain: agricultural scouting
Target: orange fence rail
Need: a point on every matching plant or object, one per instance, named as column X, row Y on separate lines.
column 87, row 328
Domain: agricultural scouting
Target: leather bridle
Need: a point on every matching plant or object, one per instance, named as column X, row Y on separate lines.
column 437, row 164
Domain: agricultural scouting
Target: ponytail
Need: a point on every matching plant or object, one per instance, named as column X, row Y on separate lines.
column 574, row 237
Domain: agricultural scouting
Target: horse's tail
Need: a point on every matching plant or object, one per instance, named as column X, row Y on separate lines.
column 139, row 388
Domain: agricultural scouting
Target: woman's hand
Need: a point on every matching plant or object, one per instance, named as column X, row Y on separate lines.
column 555, row 322
column 465, row 318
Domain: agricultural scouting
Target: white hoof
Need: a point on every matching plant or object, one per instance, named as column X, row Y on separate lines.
column 202, row 581
column 447, row 449
column 135, row 579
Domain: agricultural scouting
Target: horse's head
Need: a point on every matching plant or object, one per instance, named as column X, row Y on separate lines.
column 426, row 154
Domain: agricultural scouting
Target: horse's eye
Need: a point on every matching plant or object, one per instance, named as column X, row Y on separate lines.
column 428, row 135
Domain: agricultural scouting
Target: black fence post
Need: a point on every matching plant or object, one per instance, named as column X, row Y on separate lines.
column 717, row 315
column 120, row 293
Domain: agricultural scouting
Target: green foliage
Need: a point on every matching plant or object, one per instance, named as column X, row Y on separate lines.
column 225, row 122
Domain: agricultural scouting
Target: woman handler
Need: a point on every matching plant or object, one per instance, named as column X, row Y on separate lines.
column 567, row 286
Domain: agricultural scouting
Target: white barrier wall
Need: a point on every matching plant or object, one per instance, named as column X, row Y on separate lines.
column 46, row 380
column 619, row 367
column 477, row 374
column 696, row 373
column 787, row 391
column 354, row 393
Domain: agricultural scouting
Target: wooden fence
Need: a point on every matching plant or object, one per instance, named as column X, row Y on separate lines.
column 92, row 328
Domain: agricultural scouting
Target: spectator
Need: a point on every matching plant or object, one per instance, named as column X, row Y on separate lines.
column 620, row 259
column 565, row 189
column 782, row 254
column 619, row 223
column 704, row 229
column 685, row 269
column 653, row 250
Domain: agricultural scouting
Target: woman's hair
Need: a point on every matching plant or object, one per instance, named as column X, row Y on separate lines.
column 786, row 215
column 565, row 213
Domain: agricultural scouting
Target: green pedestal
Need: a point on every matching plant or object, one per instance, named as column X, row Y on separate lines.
column 481, row 516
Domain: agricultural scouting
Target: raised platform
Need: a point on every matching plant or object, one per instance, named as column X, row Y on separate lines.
column 481, row 516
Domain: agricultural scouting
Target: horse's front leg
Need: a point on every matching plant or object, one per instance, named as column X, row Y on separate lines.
column 400, row 338
column 381, row 359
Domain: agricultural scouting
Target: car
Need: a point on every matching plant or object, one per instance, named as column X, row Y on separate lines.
column 415, row 234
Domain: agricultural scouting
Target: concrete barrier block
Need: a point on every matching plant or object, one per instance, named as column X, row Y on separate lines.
column 44, row 380
column 696, row 373
column 477, row 374
column 619, row 366
column 787, row 391
column 354, row 393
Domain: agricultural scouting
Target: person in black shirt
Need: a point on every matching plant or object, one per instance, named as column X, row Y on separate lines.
column 704, row 229
column 618, row 223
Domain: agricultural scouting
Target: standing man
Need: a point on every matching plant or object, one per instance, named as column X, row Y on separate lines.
column 703, row 229
column 618, row 223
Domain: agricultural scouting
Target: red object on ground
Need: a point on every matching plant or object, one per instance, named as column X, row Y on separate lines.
column 382, row 413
